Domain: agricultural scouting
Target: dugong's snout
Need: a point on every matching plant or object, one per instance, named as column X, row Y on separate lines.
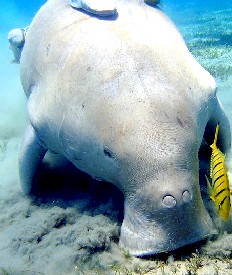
column 161, row 218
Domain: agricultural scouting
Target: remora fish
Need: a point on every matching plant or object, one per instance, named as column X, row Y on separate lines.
column 219, row 187
column 98, row 7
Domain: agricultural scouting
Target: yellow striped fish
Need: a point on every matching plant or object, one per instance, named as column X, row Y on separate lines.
column 219, row 187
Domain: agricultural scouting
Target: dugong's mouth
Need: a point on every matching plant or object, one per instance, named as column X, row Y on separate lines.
column 176, row 224
column 143, row 238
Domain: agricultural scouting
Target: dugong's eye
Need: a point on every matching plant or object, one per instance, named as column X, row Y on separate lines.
column 108, row 152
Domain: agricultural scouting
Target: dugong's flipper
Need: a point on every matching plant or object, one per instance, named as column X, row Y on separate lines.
column 224, row 135
column 30, row 157
column 98, row 7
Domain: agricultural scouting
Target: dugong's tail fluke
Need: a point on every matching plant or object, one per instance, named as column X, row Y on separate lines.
column 30, row 157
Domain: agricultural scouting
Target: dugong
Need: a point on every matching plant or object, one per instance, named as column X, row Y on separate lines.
column 123, row 99
column 16, row 38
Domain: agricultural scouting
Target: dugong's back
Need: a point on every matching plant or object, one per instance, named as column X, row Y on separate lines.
column 139, row 45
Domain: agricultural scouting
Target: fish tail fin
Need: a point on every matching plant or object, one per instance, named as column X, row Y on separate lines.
column 210, row 189
column 214, row 146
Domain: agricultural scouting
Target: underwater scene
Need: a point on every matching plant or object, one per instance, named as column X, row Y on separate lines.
column 56, row 219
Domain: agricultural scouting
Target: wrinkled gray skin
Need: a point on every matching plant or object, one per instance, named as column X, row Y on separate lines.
column 123, row 100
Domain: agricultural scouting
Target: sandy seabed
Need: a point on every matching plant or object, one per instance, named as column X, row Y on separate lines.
column 58, row 233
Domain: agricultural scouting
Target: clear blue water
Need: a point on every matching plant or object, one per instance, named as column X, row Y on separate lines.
column 207, row 29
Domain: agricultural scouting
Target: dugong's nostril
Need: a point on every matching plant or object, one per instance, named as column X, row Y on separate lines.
column 186, row 196
column 169, row 201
